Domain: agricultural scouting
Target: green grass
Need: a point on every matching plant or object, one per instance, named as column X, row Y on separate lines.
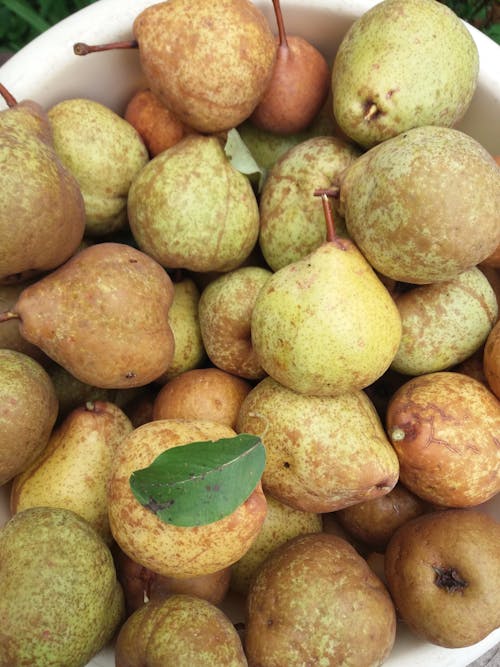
column 21, row 21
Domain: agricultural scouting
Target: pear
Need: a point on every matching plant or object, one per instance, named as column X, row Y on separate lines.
column 103, row 316
column 299, row 85
column 73, row 469
column 28, row 411
column 141, row 586
column 403, row 64
column 322, row 453
column 10, row 336
column 325, row 324
column 165, row 548
column 491, row 360
column 158, row 126
column 33, row 178
column 315, row 601
column 209, row 63
column 72, row 393
column 202, row 393
column 443, row 572
column 444, row 323
column 281, row 524
column 225, row 312
column 184, row 321
column 61, row 602
column 444, row 427
column 181, row 630
column 423, row 206
column 104, row 153
column 292, row 223
column 190, row 208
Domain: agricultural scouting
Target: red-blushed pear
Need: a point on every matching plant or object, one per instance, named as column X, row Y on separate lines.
column 103, row 316
column 299, row 85
column 325, row 324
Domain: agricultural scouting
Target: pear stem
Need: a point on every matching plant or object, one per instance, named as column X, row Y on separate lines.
column 9, row 315
column 9, row 99
column 330, row 223
column 82, row 49
column 281, row 24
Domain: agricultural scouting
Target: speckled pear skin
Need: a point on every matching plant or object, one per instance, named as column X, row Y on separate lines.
column 182, row 630
column 225, row 310
column 73, row 469
column 28, row 412
column 325, row 324
column 292, row 222
column 282, row 522
column 103, row 316
column 104, row 153
column 315, row 601
column 323, row 453
column 414, row 60
column 60, row 615
column 443, row 573
column 32, row 178
column 444, row 323
column 423, row 206
column 170, row 550
column 446, row 422
column 190, row 208
column 184, row 321
column 209, row 63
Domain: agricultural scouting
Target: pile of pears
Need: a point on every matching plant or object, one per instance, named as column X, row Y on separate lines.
column 262, row 242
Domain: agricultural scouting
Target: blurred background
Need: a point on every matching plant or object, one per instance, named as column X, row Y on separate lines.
column 22, row 20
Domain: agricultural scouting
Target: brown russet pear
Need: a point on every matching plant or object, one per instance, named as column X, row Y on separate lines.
column 443, row 573
column 444, row 427
column 491, row 360
column 103, row 316
column 315, row 601
column 33, row 179
column 325, row 324
column 209, row 63
column 299, row 85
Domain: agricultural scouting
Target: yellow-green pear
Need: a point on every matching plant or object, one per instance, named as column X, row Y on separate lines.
column 184, row 321
column 28, row 411
column 104, row 153
column 292, row 223
column 61, row 602
column 282, row 522
column 325, row 324
column 444, row 323
column 403, row 64
column 190, row 208
column 73, row 469
column 322, row 453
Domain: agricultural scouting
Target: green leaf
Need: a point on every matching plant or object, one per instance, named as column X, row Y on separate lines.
column 27, row 14
column 242, row 159
column 201, row 482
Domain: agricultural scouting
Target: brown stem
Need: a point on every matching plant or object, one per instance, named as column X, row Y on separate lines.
column 82, row 49
column 9, row 315
column 330, row 223
column 9, row 99
column 329, row 192
column 281, row 24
